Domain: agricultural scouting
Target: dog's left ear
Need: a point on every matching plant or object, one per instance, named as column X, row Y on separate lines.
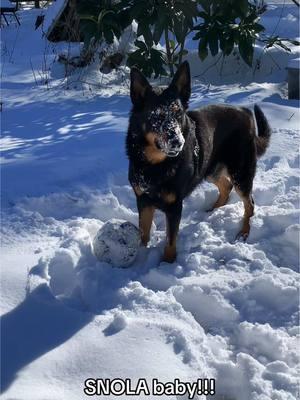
column 182, row 83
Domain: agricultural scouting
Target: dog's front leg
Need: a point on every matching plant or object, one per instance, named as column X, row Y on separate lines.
column 146, row 213
column 173, row 217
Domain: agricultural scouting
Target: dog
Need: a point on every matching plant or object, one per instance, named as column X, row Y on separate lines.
column 171, row 150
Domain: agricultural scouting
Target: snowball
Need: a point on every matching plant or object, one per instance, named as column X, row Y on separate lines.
column 119, row 322
column 117, row 243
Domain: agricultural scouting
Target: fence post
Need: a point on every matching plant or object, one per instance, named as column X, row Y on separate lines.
column 293, row 78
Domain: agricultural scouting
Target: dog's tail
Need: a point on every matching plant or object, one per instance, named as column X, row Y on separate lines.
column 264, row 131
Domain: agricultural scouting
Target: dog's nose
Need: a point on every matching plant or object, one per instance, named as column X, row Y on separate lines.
column 177, row 143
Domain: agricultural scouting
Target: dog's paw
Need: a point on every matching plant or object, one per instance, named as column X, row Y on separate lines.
column 169, row 254
column 241, row 236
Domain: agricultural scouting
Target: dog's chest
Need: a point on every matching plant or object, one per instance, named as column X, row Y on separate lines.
column 154, row 184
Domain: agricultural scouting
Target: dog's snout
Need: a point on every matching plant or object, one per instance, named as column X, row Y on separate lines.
column 177, row 142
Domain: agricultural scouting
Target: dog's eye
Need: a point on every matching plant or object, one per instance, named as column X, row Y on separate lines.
column 161, row 116
column 174, row 107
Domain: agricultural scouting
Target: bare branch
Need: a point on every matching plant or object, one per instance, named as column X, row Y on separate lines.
column 209, row 67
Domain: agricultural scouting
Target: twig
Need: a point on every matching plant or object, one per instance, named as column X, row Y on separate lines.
column 209, row 67
column 222, row 65
column 14, row 44
column 44, row 65
column 279, row 19
column 272, row 58
column 169, row 51
column 36, row 82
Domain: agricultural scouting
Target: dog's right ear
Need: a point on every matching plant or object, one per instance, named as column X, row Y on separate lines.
column 138, row 87
column 182, row 82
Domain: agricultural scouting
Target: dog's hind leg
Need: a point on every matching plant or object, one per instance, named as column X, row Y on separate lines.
column 241, row 166
column 224, row 185
column 248, row 213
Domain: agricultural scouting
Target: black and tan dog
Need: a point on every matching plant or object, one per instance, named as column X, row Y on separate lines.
column 171, row 150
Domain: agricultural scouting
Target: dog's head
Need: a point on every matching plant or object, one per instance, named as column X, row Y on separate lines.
column 159, row 113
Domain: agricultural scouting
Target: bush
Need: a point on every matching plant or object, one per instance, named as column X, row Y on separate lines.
column 224, row 25
column 228, row 23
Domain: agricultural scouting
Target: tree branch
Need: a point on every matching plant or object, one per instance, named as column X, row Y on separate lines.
column 169, row 55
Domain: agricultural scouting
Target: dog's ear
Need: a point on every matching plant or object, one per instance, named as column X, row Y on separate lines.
column 138, row 87
column 182, row 83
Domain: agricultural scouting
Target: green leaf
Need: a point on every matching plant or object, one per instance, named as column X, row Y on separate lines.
column 144, row 30
column 156, row 56
column 150, row 62
column 178, row 31
column 124, row 19
column 135, row 58
column 197, row 36
column 202, row 49
column 242, row 6
column 246, row 49
column 141, row 45
column 213, row 43
column 205, row 5
column 109, row 36
column 158, row 30
column 283, row 46
column 102, row 14
column 189, row 9
column 227, row 45
column 258, row 28
column 294, row 42
column 137, row 10
column 172, row 44
column 204, row 15
column 233, row 26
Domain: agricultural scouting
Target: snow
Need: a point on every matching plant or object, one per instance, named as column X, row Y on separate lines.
column 295, row 63
column 7, row 4
column 225, row 310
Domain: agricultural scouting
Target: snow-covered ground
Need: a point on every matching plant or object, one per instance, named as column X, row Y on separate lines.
column 223, row 310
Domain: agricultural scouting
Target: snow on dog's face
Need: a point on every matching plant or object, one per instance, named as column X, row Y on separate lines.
column 165, row 123
column 158, row 113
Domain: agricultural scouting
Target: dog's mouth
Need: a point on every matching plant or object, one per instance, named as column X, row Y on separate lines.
column 172, row 153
